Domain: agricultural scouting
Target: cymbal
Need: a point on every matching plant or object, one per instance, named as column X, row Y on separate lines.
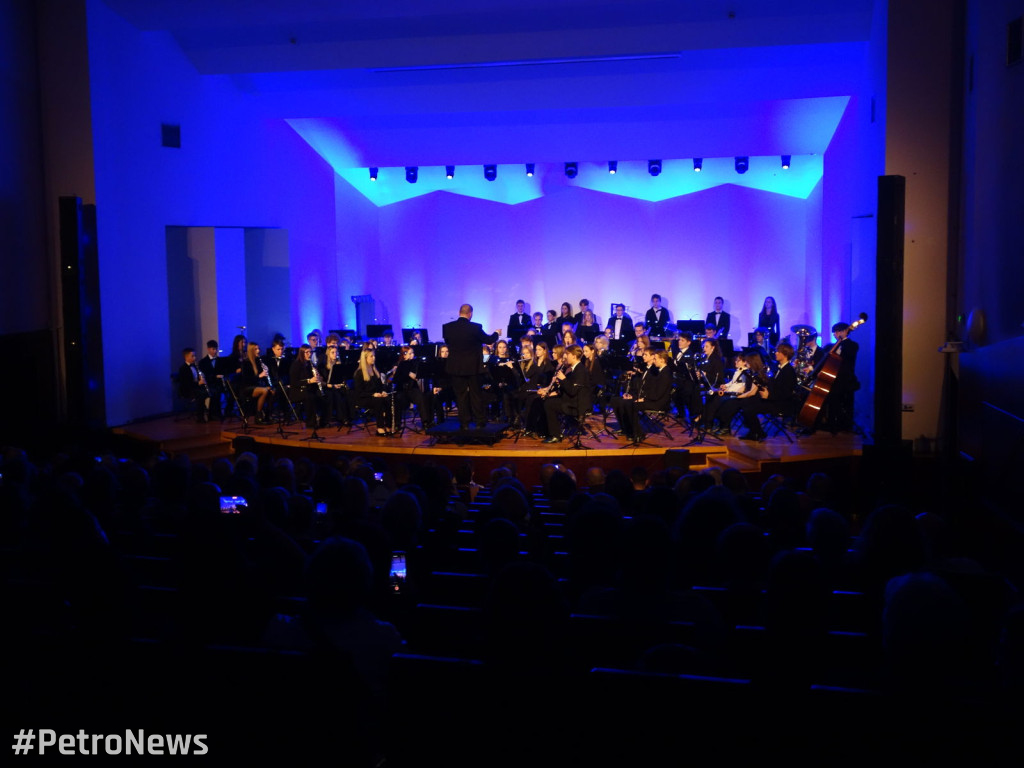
column 804, row 330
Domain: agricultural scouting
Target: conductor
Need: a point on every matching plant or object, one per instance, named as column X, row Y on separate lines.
column 465, row 340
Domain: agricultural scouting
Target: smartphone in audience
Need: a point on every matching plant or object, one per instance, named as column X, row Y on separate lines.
column 398, row 572
column 232, row 505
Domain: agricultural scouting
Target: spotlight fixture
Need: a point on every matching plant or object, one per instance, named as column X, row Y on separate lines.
column 571, row 169
column 490, row 172
column 613, row 166
column 412, row 173
column 742, row 164
column 654, row 167
column 529, row 169
column 449, row 171
column 373, row 174
column 785, row 162
column 698, row 163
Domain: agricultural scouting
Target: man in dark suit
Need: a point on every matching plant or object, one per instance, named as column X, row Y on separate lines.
column 192, row 384
column 465, row 340
column 720, row 319
column 653, row 394
column 620, row 325
column 213, row 370
column 519, row 323
column 657, row 317
column 837, row 413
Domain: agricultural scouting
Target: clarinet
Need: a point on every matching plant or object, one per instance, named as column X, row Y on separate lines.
column 389, row 390
column 319, row 379
column 270, row 381
column 556, row 382
column 204, row 389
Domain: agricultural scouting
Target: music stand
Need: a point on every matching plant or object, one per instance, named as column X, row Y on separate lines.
column 694, row 327
column 282, row 416
column 376, row 331
column 619, row 346
column 407, row 334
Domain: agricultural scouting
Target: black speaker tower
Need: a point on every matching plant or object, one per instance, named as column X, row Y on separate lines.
column 889, row 312
column 80, row 308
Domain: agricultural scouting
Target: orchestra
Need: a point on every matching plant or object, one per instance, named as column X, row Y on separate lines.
column 517, row 379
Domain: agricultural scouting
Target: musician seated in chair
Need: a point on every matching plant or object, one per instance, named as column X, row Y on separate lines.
column 562, row 396
column 750, row 370
column 407, row 387
column 212, row 368
column 335, row 387
column 255, row 383
column 764, row 349
column 597, row 377
column 653, row 393
column 192, row 384
column 688, row 392
column 371, row 392
column 775, row 395
column 306, row 386
column 442, row 390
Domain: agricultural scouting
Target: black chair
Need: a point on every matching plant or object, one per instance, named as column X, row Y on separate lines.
column 577, row 421
column 777, row 423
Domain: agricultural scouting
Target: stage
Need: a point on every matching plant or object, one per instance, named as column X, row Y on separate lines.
column 674, row 447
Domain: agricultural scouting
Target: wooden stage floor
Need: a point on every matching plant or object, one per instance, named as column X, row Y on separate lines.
column 820, row 451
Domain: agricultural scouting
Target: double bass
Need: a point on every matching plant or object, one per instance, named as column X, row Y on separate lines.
column 823, row 382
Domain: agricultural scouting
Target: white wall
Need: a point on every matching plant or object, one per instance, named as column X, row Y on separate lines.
column 233, row 170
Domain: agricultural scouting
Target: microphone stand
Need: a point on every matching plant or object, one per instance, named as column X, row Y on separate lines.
column 313, row 436
column 241, row 411
column 281, row 415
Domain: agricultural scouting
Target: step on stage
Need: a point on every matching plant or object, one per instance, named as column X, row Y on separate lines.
column 496, row 445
